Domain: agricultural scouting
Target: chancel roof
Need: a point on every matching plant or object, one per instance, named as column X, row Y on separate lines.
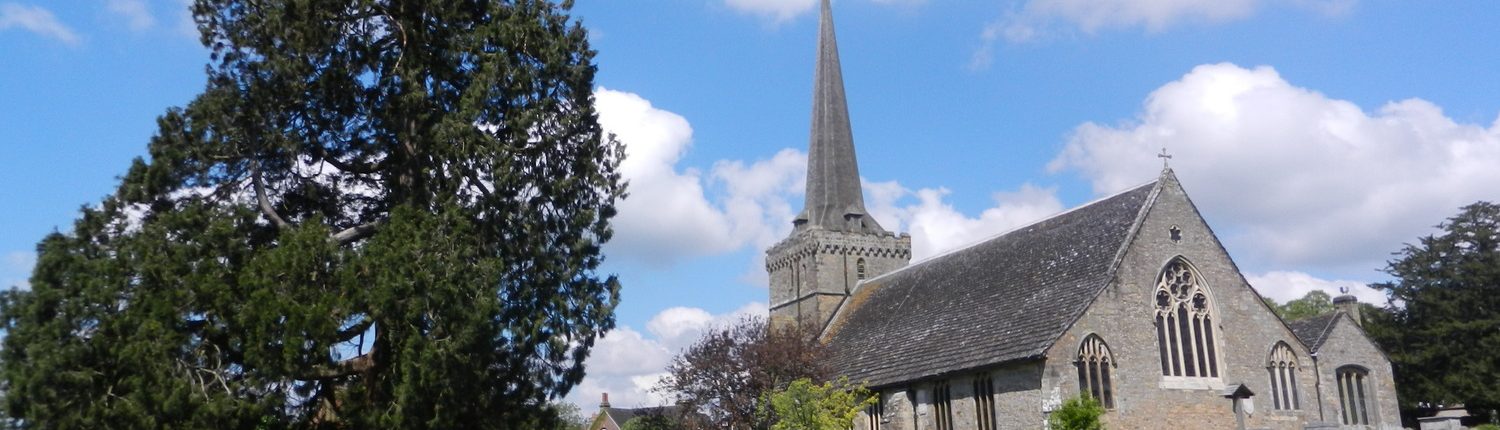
column 1005, row 299
column 1314, row 329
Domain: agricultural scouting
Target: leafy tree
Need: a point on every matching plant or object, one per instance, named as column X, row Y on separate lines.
column 1314, row 303
column 569, row 417
column 804, row 405
column 1447, row 318
column 652, row 422
column 729, row 373
column 378, row 214
column 1078, row 413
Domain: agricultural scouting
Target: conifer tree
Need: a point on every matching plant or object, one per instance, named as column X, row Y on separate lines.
column 1444, row 329
column 378, row 214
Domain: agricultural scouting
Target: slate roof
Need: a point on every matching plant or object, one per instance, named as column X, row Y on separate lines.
column 1005, row 299
column 1313, row 330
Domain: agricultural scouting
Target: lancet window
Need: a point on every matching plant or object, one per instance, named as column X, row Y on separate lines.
column 1282, row 367
column 1352, row 395
column 1184, row 323
column 1095, row 364
column 943, row 402
column 875, row 413
column 984, row 402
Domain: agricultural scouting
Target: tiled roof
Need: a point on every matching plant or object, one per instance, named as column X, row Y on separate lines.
column 1005, row 299
column 1313, row 330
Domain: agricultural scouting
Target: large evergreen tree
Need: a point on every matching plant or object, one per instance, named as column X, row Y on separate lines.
column 1444, row 330
column 378, row 214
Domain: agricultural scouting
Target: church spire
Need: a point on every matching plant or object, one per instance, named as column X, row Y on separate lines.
column 834, row 199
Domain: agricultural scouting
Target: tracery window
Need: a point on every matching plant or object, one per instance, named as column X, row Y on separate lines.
column 1282, row 367
column 1184, row 323
column 1094, row 366
column 876, row 412
column 943, row 402
column 984, row 402
column 1352, row 395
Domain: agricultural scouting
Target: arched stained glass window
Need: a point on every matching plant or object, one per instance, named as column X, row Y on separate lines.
column 1184, row 323
column 1282, row 367
column 1095, row 364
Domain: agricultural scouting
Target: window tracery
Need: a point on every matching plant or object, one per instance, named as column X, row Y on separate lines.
column 1095, row 363
column 1282, row 367
column 1184, row 323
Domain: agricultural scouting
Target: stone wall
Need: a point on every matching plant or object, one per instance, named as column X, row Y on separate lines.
column 1348, row 345
column 813, row 270
column 1124, row 315
column 1016, row 397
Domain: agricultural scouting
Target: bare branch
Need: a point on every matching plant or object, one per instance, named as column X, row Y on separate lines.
column 354, row 234
column 260, row 197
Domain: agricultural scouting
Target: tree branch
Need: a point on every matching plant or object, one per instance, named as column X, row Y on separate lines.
column 260, row 197
column 344, row 368
column 354, row 234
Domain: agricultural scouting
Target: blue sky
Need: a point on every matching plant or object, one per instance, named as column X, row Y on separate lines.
column 1316, row 136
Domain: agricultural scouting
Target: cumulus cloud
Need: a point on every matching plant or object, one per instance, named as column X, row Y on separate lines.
column 937, row 227
column 1037, row 18
column 627, row 364
column 134, row 12
column 1298, row 177
column 15, row 269
column 38, row 20
column 674, row 213
column 1287, row 286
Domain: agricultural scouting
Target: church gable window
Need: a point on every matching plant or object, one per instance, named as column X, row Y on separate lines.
column 1094, row 367
column 984, row 402
column 1353, row 403
column 859, row 269
column 942, row 401
column 1282, row 367
column 1184, row 323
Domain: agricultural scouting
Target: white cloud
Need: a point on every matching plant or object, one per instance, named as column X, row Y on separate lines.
column 15, row 269
column 135, row 13
column 937, row 227
column 1287, row 286
column 1038, row 18
column 627, row 364
column 674, row 213
column 777, row 10
column 38, row 20
column 1298, row 178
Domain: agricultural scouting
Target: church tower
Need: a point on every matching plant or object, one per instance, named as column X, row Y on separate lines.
column 835, row 243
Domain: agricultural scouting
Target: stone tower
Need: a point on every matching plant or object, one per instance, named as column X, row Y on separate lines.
column 835, row 243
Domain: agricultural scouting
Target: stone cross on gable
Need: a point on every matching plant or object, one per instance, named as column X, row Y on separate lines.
column 1164, row 157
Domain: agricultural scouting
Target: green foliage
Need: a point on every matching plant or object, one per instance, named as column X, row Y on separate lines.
column 1078, row 413
column 1447, row 287
column 378, row 214
column 804, row 405
column 1314, row 303
column 651, row 422
column 729, row 374
column 569, row 417
column 1487, row 427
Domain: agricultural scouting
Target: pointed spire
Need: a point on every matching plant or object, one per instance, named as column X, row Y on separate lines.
column 834, row 199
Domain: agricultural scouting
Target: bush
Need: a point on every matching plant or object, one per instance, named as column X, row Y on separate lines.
column 1487, row 427
column 1078, row 413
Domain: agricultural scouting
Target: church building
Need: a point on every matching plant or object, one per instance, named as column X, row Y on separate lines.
column 1129, row 299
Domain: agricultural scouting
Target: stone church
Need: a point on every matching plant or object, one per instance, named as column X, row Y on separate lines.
column 1129, row 299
